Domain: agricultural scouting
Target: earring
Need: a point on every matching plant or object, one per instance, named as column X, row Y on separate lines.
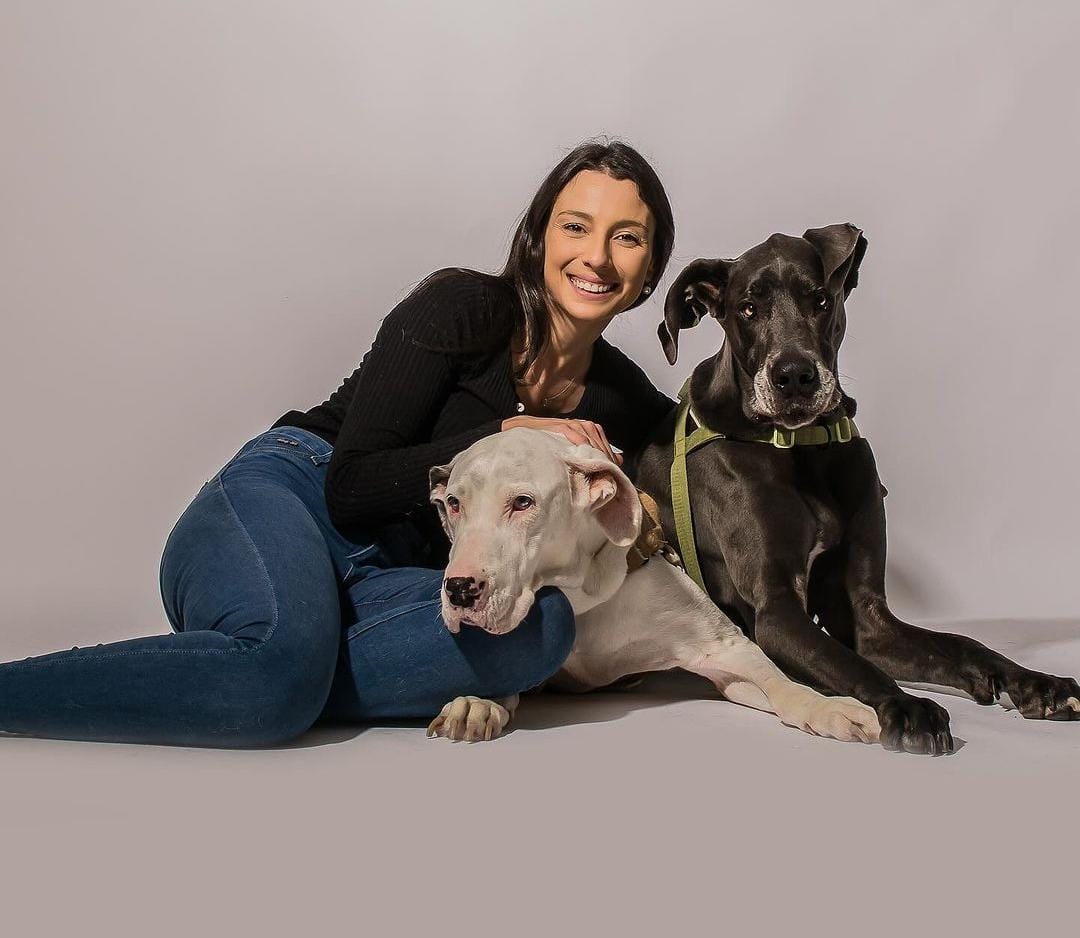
column 646, row 290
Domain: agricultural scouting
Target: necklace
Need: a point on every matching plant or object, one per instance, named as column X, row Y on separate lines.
column 547, row 401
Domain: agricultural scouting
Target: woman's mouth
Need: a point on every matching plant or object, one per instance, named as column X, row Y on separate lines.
column 590, row 288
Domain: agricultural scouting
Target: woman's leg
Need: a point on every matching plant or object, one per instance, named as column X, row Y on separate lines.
column 249, row 581
column 398, row 659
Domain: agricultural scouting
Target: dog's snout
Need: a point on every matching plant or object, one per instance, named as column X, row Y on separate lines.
column 463, row 591
column 794, row 376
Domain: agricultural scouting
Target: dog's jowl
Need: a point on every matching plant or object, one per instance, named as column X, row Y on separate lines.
column 790, row 523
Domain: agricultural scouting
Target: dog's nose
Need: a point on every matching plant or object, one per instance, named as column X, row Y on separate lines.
column 794, row 376
column 463, row 591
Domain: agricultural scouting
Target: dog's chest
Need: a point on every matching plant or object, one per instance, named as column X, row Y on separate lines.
column 825, row 530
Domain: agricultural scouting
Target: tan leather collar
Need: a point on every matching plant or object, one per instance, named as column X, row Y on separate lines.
column 651, row 539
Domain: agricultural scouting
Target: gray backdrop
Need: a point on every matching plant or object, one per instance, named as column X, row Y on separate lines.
column 208, row 207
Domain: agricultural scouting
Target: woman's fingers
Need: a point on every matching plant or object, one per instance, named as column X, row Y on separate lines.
column 597, row 438
column 608, row 448
column 575, row 436
column 578, row 432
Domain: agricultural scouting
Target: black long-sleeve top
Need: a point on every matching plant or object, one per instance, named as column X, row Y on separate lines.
column 436, row 380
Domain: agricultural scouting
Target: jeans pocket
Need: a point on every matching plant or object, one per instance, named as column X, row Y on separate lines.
column 297, row 441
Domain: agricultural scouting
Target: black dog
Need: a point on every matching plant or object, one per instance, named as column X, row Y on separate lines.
column 792, row 541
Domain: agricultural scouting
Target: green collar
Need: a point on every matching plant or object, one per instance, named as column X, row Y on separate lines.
column 842, row 431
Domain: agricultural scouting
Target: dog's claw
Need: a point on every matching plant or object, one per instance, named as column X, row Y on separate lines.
column 1039, row 696
column 914, row 724
column 470, row 719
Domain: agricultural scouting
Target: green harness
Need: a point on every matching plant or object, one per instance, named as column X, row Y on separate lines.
column 842, row 431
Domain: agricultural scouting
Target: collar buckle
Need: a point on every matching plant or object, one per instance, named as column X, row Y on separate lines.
column 782, row 439
column 840, row 432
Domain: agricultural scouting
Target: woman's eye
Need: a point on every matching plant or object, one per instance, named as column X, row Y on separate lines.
column 522, row 502
column 748, row 310
column 571, row 226
column 452, row 503
column 634, row 239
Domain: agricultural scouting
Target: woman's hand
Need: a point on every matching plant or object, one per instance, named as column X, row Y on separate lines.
column 576, row 431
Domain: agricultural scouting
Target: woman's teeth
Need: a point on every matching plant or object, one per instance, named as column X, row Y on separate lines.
column 590, row 287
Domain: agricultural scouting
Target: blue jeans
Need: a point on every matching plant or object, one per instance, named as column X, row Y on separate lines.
column 278, row 620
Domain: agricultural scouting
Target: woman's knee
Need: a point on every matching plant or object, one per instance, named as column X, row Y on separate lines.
column 280, row 698
column 553, row 618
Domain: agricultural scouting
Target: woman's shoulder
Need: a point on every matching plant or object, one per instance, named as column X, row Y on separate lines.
column 455, row 308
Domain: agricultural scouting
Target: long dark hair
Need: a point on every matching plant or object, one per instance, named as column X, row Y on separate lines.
column 523, row 273
column 524, row 269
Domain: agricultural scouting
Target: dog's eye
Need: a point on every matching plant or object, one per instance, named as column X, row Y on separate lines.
column 821, row 299
column 453, row 504
column 522, row 502
column 748, row 310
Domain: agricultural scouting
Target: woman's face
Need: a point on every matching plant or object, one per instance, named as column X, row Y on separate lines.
column 597, row 246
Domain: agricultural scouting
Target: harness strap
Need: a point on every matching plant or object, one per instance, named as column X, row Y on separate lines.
column 842, row 431
column 680, row 499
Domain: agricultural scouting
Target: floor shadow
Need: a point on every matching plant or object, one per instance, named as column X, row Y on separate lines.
column 549, row 709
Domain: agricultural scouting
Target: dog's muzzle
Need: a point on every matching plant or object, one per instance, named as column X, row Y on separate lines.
column 794, row 377
column 463, row 591
column 793, row 389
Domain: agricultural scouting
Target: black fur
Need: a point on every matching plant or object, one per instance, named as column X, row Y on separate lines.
column 759, row 511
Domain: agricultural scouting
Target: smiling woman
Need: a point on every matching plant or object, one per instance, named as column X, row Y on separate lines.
column 299, row 581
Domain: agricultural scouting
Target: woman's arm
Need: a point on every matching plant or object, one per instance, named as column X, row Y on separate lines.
column 379, row 470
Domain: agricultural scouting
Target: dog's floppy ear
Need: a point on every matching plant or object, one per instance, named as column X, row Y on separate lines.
column 438, row 476
column 601, row 487
column 697, row 292
column 841, row 249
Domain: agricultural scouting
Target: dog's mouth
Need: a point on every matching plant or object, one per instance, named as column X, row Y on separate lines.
column 479, row 616
column 796, row 416
column 768, row 406
column 498, row 615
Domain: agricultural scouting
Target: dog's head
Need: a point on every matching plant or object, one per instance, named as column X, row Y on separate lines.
column 524, row 509
column 781, row 305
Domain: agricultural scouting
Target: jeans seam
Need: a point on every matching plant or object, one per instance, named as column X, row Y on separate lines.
column 34, row 662
column 259, row 557
column 412, row 607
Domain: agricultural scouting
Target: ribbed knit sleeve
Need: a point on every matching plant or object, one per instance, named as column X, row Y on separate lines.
column 379, row 469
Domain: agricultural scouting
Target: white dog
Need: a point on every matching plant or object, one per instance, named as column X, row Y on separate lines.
column 526, row 509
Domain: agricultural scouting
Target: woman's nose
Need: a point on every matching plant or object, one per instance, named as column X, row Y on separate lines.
column 598, row 253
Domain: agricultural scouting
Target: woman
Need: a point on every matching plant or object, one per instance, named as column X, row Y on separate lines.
column 295, row 581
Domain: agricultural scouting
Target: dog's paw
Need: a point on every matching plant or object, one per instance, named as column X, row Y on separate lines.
column 1039, row 696
column 471, row 719
column 847, row 719
column 914, row 724
column 842, row 718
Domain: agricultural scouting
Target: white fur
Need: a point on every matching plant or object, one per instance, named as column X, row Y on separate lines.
column 653, row 619
column 766, row 403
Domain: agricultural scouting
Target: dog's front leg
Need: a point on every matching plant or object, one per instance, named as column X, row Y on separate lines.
column 742, row 672
column 803, row 650
column 660, row 619
column 473, row 718
column 908, row 653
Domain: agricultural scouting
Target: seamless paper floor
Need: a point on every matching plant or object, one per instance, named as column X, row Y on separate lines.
column 658, row 811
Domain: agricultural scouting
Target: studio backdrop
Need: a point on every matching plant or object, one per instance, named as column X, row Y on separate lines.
column 207, row 209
